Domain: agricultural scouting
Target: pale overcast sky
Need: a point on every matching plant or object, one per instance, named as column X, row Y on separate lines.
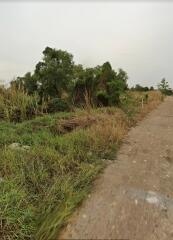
column 137, row 37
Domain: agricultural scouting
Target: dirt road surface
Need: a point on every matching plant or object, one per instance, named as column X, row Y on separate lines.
column 133, row 198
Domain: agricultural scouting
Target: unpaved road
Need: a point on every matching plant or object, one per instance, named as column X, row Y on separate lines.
column 133, row 198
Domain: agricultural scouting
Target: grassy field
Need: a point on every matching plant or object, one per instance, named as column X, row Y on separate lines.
column 57, row 157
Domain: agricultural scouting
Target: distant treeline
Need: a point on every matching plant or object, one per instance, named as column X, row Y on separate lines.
column 141, row 88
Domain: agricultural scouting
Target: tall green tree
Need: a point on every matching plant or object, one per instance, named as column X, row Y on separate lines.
column 56, row 78
column 27, row 83
column 54, row 73
column 85, row 86
column 163, row 86
column 78, row 85
column 116, row 86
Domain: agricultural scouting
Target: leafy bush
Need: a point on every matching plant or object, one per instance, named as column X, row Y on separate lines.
column 16, row 105
column 102, row 98
column 57, row 105
column 164, row 88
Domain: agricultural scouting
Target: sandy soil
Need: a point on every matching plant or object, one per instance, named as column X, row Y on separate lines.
column 133, row 198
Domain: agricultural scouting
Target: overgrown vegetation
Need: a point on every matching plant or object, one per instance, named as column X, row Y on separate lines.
column 58, row 84
column 42, row 184
column 47, row 163
column 140, row 88
column 165, row 88
column 57, row 76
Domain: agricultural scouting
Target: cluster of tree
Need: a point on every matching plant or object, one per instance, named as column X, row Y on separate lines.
column 58, row 79
column 141, row 88
column 164, row 87
column 59, row 82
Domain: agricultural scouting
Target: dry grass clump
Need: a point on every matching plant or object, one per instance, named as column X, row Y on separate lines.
column 109, row 128
column 109, row 125
column 156, row 96
column 154, row 99
column 67, row 125
column 106, row 124
column 112, row 124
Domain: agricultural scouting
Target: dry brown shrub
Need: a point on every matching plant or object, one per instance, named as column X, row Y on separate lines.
column 155, row 98
column 67, row 125
column 109, row 124
column 109, row 128
column 112, row 125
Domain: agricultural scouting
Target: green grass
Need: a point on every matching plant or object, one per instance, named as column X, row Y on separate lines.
column 41, row 187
